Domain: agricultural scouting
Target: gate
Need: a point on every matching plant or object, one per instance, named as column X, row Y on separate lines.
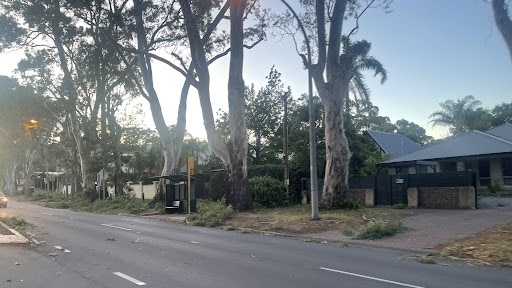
column 399, row 185
column 382, row 190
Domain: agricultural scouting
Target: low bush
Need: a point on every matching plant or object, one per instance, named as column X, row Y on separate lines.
column 380, row 229
column 160, row 207
column 399, row 206
column 80, row 202
column 268, row 192
column 211, row 213
column 426, row 259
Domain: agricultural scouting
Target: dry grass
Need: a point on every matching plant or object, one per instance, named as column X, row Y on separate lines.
column 488, row 247
column 296, row 219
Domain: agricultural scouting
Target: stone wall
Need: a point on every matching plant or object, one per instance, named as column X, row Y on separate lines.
column 444, row 197
column 364, row 197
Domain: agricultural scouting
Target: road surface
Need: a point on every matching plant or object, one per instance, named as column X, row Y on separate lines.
column 90, row 250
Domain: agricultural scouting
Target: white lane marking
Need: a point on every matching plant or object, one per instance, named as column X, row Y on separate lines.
column 116, row 227
column 371, row 278
column 194, row 242
column 131, row 279
column 48, row 214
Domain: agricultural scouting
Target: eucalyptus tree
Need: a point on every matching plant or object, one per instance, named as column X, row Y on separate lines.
column 68, row 36
column 332, row 73
column 233, row 154
column 503, row 21
column 21, row 140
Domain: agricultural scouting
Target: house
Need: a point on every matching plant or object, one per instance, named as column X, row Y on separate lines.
column 487, row 153
column 394, row 145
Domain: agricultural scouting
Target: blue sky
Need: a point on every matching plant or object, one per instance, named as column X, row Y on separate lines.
column 433, row 50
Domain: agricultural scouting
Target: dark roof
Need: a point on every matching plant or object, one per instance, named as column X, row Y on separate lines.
column 474, row 143
column 504, row 131
column 394, row 144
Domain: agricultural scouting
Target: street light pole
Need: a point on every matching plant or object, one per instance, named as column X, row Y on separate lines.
column 312, row 123
column 285, row 143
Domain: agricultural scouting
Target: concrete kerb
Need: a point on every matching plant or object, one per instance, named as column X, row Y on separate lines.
column 16, row 238
column 345, row 243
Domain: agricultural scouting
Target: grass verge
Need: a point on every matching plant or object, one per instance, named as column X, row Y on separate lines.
column 489, row 247
column 211, row 214
column 15, row 223
column 119, row 205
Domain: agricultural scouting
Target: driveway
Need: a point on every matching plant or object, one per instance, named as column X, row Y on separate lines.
column 434, row 228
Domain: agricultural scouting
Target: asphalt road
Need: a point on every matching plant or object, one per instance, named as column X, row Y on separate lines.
column 123, row 251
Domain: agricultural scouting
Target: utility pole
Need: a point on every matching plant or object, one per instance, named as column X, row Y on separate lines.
column 286, row 176
column 312, row 124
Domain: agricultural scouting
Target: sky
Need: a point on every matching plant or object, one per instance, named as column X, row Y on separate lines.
column 433, row 50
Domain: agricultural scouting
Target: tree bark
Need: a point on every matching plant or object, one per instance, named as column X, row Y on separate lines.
column 240, row 196
column 70, row 90
column 331, row 81
column 171, row 144
column 29, row 169
column 337, row 155
column 10, row 177
column 503, row 22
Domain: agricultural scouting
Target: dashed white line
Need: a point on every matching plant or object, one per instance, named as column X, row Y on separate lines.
column 47, row 214
column 194, row 242
column 371, row 278
column 116, row 227
column 131, row 279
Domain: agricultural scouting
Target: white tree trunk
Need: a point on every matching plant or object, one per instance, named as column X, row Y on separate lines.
column 337, row 155
column 10, row 177
column 29, row 169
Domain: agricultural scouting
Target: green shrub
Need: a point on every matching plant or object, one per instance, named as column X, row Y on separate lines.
column 211, row 213
column 268, row 192
column 14, row 222
column 399, row 206
column 274, row 171
column 379, row 229
column 494, row 189
column 219, row 185
column 426, row 259
column 349, row 205
column 160, row 207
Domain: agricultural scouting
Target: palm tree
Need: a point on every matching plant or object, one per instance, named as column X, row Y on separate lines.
column 356, row 56
column 461, row 115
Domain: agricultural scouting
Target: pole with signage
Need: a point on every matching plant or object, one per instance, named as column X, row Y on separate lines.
column 190, row 171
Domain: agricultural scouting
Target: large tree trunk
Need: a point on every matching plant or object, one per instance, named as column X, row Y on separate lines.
column 71, row 92
column 10, row 177
column 331, row 80
column 29, row 170
column 503, row 22
column 171, row 145
column 240, row 196
column 337, row 155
